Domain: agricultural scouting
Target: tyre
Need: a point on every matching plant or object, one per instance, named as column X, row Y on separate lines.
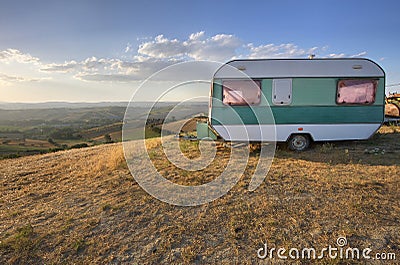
column 299, row 142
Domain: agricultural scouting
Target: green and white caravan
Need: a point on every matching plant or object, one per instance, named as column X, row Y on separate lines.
column 309, row 99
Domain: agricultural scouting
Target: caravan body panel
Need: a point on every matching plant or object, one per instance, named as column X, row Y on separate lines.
column 329, row 99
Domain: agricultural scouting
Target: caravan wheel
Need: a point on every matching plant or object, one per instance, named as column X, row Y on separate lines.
column 299, row 142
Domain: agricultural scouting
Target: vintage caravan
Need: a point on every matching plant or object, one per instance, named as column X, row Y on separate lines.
column 296, row 100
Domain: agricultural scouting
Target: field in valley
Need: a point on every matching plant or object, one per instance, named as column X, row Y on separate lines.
column 27, row 129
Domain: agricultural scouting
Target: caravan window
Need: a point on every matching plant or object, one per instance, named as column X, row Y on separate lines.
column 241, row 92
column 282, row 91
column 356, row 91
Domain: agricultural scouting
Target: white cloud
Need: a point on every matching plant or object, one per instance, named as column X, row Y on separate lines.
column 285, row 50
column 344, row 55
column 62, row 68
column 220, row 47
column 93, row 64
column 162, row 47
column 361, row 54
column 154, row 54
column 196, row 36
column 128, row 47
column 275, row 51
column 113, row 70
column 14, row 55
column 336, row 55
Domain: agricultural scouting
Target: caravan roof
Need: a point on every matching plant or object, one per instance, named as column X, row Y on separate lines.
column 288, row 68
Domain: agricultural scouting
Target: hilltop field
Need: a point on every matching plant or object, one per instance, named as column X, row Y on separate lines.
column 82, row 206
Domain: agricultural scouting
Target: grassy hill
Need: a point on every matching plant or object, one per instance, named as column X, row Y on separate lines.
column 84, row 207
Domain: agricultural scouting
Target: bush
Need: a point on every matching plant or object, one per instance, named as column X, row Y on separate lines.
column 107, row 138
column 82, row 145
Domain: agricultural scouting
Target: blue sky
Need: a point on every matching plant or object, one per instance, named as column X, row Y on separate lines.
column 102, row 50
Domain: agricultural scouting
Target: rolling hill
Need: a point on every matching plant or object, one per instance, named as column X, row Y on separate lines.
column 83, row 206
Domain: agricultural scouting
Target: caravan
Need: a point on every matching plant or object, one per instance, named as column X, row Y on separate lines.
column 297, row 101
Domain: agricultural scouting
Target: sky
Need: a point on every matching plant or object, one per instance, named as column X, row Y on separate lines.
column 103, row 50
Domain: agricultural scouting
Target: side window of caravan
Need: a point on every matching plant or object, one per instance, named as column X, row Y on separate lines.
column 282, row 91
column 356, row 91
column 241, row 92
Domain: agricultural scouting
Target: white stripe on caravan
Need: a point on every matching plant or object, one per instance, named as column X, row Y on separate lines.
column 280, row 133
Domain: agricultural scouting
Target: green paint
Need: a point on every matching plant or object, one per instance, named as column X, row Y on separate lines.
column 313, row 102
column 301, row 115
column 204, row 131
column 314, row 91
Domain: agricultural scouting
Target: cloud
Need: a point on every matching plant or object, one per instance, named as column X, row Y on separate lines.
column 361, row 54
column 14, row 55
column 336, row 55
column 154, row 54
column 90, row 64
column 62, row 68
column 162, row 47
column 7, row 79
column 220, row 47
column 106, row 77
column 113, row 70
column 142, row 67
column 224, row 47
column 344, row 55
column 128, row 47
column 287, row 50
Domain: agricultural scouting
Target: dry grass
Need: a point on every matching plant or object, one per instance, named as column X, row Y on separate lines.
column 83, row 206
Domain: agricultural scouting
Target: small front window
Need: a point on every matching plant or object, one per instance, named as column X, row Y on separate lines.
column 241, row 92
column 356, row 91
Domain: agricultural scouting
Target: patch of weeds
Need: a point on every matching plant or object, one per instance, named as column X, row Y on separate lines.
column 327, row 147
column 109, row 207
column 106, row 207
column 79, row 245
column 153, row 154
column 190, row 148
column 24, row 244
column 23, row 237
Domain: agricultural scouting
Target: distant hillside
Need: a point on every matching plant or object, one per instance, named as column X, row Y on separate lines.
column 53, row 105
column 62, row 114
column 73, row 105
column 39, row 130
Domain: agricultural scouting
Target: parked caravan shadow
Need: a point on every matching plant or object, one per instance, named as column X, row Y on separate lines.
column 383, row 148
